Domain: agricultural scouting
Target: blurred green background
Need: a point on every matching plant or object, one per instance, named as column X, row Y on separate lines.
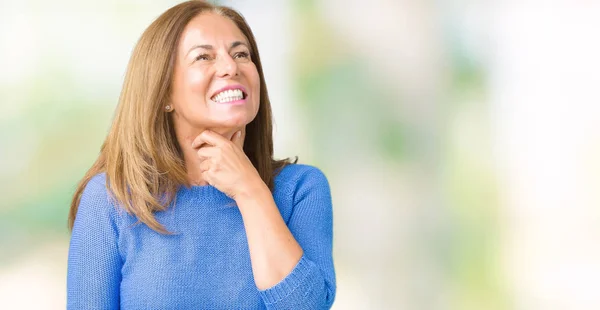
column 461, row 140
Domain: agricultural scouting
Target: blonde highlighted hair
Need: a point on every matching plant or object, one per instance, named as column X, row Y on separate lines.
column 141, row 157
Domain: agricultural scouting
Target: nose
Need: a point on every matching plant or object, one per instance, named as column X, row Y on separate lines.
column 226, row 66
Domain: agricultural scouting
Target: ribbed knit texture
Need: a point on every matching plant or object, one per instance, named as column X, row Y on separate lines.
column 116, row 263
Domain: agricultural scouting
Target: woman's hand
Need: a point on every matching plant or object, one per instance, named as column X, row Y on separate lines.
column 224, row 163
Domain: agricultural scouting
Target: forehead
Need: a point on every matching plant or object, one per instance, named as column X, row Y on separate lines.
column 210, row 28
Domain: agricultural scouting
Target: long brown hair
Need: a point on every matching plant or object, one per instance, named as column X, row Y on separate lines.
column 141, row 157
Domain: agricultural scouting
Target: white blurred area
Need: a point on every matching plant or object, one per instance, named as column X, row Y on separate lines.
column 545, row 83
column 541, row 108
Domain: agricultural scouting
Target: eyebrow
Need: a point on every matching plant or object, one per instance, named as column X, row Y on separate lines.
column 210, row 47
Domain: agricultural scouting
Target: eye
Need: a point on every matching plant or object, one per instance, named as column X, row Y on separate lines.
column 241, row 55
column 202, row 57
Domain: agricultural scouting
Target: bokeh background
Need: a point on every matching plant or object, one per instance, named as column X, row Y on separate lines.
column 461, row 140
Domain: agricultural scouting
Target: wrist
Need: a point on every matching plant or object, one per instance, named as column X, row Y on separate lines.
column 252, row 190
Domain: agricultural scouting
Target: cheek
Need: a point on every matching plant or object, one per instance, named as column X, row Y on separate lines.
column 254, row 81
column 197, row 82
column 257, row 82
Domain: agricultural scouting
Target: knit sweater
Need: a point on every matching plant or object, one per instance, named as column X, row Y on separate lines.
column 117, row 263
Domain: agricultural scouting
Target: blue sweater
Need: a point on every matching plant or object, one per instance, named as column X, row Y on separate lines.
column 115, row 263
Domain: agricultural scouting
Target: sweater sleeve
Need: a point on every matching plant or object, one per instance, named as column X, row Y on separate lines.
column 94, row 263
column 311, row 284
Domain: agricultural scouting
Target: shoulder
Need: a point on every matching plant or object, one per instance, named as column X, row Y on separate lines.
column 95, row 202
column 96, row 185
column 96, row 191
column 301, row 173
column 301, row 179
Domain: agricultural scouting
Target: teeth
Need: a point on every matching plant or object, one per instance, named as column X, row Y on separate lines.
column 229, row 95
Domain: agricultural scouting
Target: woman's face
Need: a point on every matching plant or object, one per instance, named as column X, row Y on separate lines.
column 215, row 82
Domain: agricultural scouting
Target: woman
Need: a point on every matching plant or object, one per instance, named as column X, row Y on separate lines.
column 185, row 207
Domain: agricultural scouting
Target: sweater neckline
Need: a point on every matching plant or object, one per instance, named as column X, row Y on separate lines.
column 203, row 192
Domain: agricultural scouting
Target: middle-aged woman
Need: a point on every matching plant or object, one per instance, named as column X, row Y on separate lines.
column 185, row 207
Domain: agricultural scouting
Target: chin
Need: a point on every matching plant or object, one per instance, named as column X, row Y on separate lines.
column 233, row 122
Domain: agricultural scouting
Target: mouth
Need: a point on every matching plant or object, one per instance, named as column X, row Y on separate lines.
column 230, row 94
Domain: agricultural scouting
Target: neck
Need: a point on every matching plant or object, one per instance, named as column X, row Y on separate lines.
column 185, row 137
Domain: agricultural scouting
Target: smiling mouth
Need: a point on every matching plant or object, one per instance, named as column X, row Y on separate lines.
column 230, row 95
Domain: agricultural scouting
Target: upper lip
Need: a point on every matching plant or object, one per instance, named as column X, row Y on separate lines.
column 228, row 87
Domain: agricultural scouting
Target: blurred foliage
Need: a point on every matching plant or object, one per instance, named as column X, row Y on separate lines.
column 470, row 188
column 335, row 92
column 64, row 129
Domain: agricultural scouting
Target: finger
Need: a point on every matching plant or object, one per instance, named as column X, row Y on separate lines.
column 207, row 136
column 198, row 142
column 205, row 165
column 238, row 139
column 206, row 176
column 206, row 151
